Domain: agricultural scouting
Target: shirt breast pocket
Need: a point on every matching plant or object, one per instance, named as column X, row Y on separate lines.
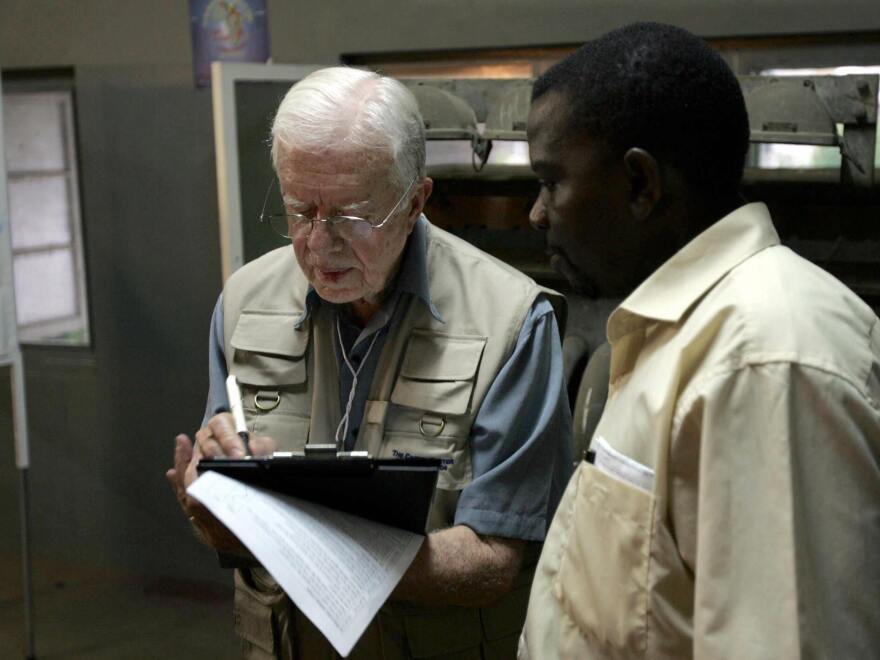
column 431, row 401
column 605, row 558
column 269, row 360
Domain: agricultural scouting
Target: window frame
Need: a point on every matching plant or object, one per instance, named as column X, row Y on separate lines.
column 57, row 87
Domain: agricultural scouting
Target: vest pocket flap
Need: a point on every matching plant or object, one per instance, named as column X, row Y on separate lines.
column 437, row 357
column 270, row 333
column 452, row 397
column 269, row 370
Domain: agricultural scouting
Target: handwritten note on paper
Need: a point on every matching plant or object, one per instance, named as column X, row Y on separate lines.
column 337, row 568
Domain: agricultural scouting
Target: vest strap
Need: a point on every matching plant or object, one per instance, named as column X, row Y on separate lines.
column 325, row 409
column 372, row 432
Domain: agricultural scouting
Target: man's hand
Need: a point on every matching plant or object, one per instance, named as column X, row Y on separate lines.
column 217, row 439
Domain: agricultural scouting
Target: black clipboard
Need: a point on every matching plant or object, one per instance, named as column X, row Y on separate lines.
column 394, row 491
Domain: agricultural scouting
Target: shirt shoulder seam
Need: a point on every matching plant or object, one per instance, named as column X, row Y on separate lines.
column 696, row 389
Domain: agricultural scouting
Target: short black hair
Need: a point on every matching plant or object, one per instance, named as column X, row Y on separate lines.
column 663, row 89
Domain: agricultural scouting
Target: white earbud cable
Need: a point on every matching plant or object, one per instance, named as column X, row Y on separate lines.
column 343, row 423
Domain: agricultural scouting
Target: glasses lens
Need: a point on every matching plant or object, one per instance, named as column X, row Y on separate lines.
column 350, row 228
column 289, row 226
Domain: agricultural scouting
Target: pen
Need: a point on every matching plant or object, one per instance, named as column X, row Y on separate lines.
column 236, row 406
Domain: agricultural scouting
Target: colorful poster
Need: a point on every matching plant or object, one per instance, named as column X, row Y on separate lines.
column 228, row 31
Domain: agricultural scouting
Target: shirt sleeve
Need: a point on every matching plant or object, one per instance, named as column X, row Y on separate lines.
column 786, row 494
column 521, row 438
column 217, row 399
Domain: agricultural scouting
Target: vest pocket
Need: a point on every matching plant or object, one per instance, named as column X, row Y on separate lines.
column 438, row 372
column 289, row 430
column 268, row 349
column 431, row 399
column 253, row 612
column 603, row 573
column 269, row 360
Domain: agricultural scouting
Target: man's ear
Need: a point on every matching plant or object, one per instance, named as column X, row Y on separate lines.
column 422, row 191
column 645, row 185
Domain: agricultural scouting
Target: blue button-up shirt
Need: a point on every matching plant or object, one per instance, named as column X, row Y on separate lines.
column 521, row 437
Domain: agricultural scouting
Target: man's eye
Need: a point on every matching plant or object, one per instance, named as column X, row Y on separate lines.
column 549, row 186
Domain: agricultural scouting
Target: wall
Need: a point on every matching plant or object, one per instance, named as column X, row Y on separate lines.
column 102, row 420
column 331, row 27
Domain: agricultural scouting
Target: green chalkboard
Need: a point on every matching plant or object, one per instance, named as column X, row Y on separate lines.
column 255, row 104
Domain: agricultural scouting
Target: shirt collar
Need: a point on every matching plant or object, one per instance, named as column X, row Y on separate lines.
column 671, row 289
column 412, row 277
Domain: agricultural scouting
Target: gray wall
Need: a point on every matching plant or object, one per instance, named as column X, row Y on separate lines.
column 331, row 27
column 102, row 420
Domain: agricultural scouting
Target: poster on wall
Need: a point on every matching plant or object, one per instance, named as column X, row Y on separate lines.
column 227, row 31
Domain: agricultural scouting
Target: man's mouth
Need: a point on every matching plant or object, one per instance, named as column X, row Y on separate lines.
column 332, row 275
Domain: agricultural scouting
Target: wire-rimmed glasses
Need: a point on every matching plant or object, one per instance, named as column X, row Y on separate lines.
column 347, row 227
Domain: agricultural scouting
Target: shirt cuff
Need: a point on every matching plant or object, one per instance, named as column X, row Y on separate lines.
column 505, row 524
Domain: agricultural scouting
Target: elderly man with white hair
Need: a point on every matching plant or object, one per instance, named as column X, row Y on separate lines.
column 392, row 336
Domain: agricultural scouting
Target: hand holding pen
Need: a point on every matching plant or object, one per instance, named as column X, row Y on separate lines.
column 221, row 436
column 226, row 434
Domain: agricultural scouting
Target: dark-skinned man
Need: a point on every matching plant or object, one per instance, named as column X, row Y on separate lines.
column 732, row 506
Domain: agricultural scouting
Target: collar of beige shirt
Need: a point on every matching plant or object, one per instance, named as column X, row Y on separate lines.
column 671, row 289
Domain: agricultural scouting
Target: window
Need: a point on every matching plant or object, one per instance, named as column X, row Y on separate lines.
column 44, row 216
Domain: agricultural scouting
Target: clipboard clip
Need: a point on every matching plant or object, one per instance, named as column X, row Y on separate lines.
column 330, row 450
column 321, row 450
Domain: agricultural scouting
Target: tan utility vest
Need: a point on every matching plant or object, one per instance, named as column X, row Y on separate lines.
column 429, row 383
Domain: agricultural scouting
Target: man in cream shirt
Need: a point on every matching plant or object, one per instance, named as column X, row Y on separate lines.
column 732, row 506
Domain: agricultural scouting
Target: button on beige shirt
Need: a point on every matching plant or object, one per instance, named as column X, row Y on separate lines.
column 733, row 509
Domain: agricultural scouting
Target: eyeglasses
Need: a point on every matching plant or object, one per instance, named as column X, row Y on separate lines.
column 297, row 225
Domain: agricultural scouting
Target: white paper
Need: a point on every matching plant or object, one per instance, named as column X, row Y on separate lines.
column 337, row 568
column 614, row 463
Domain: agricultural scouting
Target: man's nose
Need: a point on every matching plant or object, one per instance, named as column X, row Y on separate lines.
column 538, row 215
column 322, row 237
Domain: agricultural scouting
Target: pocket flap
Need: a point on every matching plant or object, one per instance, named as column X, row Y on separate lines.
column 269, row 332
column 267, row 371
column 268, row 349
column 437, row 357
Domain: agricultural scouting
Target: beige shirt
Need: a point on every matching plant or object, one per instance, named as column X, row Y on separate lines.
column 733, row 509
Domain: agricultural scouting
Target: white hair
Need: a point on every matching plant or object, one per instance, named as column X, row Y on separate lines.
column 347, row 107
